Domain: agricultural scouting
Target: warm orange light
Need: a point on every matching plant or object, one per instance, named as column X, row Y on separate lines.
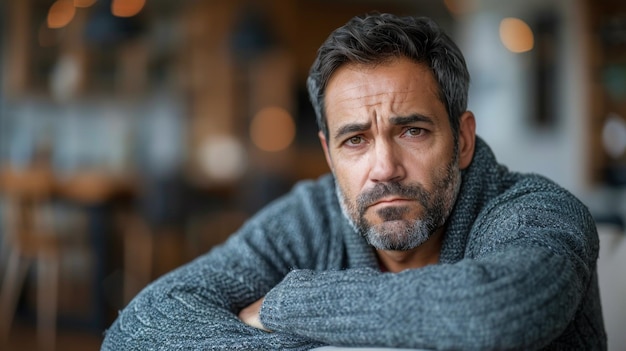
column 61, row 13
column 516, row 35
column 272, row 129
column 127, row 8
column 84, row 3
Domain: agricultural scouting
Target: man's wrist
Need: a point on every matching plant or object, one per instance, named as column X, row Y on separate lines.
column 251, row 315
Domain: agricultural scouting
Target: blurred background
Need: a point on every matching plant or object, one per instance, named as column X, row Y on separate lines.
column 137, row 134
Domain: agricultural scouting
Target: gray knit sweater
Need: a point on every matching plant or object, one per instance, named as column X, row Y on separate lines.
column 517, row 271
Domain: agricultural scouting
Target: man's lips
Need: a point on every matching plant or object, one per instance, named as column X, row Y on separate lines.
column 389, row 201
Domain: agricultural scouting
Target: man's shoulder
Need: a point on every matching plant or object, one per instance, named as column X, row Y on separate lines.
column 532, row 187
column 537, row 201
column 508, row 197
column 494, row 183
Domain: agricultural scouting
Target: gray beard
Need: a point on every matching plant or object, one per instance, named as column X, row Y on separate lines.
column 402, row 234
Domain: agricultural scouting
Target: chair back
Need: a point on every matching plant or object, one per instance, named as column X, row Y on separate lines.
column 26, row 212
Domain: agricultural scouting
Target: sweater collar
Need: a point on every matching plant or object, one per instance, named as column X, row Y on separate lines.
column 480, row 183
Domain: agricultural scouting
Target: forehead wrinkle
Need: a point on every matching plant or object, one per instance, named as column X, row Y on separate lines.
column 393, row 100
column 376, row 117
column 366, row 97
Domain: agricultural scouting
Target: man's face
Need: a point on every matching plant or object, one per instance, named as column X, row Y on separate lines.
column 392, row 152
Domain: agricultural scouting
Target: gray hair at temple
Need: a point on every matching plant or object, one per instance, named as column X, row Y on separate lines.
column 377, row 38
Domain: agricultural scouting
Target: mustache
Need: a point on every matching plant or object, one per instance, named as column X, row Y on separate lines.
column 382, row 190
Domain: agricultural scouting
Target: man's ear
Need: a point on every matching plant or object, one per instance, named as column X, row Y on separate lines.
column 467, row 139
column 324, row 142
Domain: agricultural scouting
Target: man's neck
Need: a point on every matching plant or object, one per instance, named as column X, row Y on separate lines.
column 423, row 255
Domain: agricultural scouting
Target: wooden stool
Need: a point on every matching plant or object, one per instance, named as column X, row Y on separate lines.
column 30, row 239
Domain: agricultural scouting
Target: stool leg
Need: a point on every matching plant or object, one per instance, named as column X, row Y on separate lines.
column 11, row 286
column 47, row 291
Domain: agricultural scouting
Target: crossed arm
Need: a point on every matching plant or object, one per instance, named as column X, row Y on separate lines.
column 518, row 293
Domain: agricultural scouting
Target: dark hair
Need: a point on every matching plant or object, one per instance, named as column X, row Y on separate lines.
column 376, row 38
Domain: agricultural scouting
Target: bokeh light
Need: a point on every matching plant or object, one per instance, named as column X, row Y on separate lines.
column 516, row 35
column 272, row 129
column 127, row 8
column 614, row 135
column 61, row 13
column 222, row 157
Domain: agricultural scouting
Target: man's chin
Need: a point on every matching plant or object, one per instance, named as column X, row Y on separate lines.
column 396, row 235
column 386, row 244
column 390, row 235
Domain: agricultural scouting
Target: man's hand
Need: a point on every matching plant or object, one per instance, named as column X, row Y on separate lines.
column 251, row 315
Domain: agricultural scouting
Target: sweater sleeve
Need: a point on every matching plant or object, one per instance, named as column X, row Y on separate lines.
column 195, row 307
column 526, row 271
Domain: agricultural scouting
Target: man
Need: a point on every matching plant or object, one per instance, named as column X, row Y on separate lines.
column 418, row 239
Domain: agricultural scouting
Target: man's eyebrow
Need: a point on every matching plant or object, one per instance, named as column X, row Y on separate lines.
column 400, row 120
column 397, row 120
column 351, row 128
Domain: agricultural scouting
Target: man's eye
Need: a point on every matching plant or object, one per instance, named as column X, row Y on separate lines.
column 415, row 131
column 355, row 140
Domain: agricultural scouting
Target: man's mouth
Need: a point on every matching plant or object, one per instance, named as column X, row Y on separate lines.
column 389, row 200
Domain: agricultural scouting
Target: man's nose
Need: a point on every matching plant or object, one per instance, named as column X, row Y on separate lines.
column 386, row 165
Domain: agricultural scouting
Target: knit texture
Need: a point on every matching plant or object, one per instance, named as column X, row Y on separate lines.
column 517, row 271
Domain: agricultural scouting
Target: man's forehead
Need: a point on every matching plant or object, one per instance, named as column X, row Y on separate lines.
column 390, row 104
column 399, row 87
column 399, row 70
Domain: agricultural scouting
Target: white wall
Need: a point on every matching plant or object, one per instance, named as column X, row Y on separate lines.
column 501, row 90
